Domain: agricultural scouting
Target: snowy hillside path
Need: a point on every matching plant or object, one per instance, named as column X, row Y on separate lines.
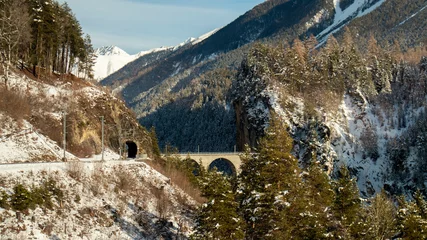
column 58, row 166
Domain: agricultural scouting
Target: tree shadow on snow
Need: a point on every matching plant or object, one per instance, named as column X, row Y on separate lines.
column 149, row 225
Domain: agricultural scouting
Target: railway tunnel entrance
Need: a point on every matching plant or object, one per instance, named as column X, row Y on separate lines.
column 132, row 149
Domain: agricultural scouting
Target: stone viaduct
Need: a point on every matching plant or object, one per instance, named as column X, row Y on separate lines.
column 226, row 162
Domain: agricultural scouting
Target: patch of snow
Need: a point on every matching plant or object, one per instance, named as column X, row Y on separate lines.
column 25, row 144
column 92, row 92
column 213, row 56
column 177, row 67
column 317, row 18
column 291, row 117
column 109, row 155
column 413, row 15
column 350, row 126
column 110, row 51
column 160, row 49
column 205, row 36
column 341, row 17
column 111, row 59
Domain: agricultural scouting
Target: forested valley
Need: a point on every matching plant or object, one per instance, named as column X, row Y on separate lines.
column 301, row 173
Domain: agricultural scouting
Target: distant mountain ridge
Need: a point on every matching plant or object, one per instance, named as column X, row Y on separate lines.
column 110, row 59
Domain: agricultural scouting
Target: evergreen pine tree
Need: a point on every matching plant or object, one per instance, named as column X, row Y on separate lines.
column 88, row 58
column 270, row 186
column 218, row 218
column 355, row 74
column 381, row 218
column 412, row 218
column 319, row 196
column 331, row 65
column 154, row 142
column 57, row 37
column 298, row 60
column 380, row 66
column 347, row 206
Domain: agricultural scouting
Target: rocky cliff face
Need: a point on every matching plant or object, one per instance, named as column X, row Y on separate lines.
column 373, row 124
column 42, row 103
column 245, row 133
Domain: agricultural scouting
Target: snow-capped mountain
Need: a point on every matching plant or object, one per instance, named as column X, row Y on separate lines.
column 110, row 59
column 110, row 51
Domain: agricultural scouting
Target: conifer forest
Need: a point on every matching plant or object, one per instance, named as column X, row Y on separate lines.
column 301, row 119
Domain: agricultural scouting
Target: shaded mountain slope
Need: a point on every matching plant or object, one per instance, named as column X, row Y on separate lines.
column 179, row 79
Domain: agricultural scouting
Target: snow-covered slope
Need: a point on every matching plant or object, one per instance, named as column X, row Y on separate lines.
column 205, row 36
column 194, row 41
column 87, row 198
column 21, row 141
column 26, row 144
column 109, row 200
column 31, row 119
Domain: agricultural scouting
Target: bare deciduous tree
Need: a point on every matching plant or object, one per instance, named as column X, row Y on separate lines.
column 14, row 30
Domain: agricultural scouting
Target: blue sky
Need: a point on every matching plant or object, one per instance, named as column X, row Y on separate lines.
column 136, row 25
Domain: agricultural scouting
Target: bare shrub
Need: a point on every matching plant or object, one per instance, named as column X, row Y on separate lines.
column 122, row 206
column 49, row 127
column 47, row 229
column 178, row 178
column 14, row 103
column 143, row 220
column 163, row 203
column 98, row 179
column 124, row 181
column 96, row 189
column 75, row 169
column 182, row 200
column 113, row 236
column 83, row 149
column 96, row 185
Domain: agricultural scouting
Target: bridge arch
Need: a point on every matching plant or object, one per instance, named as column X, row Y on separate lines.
column 231, row 160
column 193, row 165
column 223, row 165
